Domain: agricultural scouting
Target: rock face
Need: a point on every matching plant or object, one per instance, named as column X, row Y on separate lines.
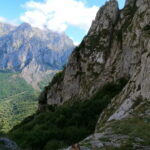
column 6, row 144
column 32, row 51
column 5, row 28
column 88, row 66
column 117, row 45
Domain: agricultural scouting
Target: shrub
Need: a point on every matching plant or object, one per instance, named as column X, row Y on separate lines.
column 54, row 145
column 58, row 77
column 134, row 127
column 68, row 124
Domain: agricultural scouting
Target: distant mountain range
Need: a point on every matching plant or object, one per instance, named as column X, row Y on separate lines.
column 32, row 52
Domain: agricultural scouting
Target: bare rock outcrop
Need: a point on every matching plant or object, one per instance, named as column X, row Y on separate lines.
column 117, row 45
column 84, row 72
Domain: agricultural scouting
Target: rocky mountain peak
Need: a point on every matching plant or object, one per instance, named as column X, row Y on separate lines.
column 93, row 50
column 33, row 51
column 6, row 28
column 24, row 26
column 110, row 9
column 106, row 17
column 117, row 46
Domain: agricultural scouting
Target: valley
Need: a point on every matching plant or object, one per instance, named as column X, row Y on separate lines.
column 66, row 124
column 98, row 100
column 29, row 58
column 18, row 100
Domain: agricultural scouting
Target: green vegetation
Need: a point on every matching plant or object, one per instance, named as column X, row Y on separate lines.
column 57, row 78
column 116, row 148
column 129, row 13
column 66, row 124
column 11, row 84
column 134, row 128
column 147, row 30
column 17, row 100
column 45, row 81
column 94, row 41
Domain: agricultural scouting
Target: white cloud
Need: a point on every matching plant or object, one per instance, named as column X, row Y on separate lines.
column 57, row 15
column 5, row 20
column 76, row 43
column 2, row 19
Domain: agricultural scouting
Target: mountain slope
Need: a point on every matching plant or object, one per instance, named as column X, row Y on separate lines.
column 64, row 125
column 5, row 28
column 116, row 46
column 31, row 54
column 86, row 70
column 17, row 100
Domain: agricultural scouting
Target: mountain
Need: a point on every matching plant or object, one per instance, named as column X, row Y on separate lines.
column 116, row 46
column 101, row 99
column 31, row 51
column 5, row 28
column 29, row 57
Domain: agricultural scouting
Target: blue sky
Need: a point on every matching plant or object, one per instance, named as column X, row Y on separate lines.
column 70, row 16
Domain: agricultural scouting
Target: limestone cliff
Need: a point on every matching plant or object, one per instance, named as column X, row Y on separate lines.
column 117, row 45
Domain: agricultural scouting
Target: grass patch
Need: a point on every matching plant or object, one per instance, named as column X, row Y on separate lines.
column 134, row 127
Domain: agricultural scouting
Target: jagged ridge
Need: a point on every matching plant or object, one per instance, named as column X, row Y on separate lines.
column 33, row 52
column 116, row 46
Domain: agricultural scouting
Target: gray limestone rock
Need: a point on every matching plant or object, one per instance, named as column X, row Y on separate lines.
column 116, row 46
column 32, row 51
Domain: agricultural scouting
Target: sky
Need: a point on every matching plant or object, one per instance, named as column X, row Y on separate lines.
column 73, row 17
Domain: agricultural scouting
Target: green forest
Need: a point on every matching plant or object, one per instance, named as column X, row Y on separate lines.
column 64, row 125
column 17, row 100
